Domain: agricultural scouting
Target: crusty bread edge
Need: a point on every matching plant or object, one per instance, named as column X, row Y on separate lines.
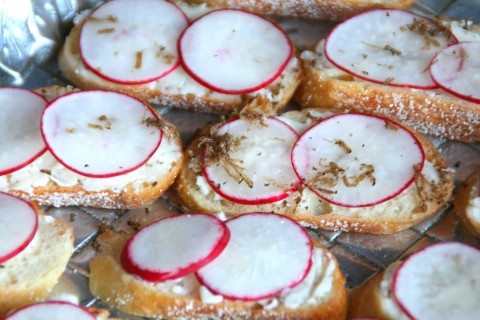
column 431, row 114
column 110, row 283
column 463, row 195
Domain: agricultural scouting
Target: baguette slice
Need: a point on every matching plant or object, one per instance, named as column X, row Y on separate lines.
column 430, row 112
column 184, row 298
column 467, row 203
column 177, row 89
column 432, row 188
column 47, row 182
column 31, row 275
column 333, row 10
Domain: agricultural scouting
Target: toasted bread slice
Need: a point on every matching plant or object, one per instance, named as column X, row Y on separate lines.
column 430, row 112
column 50, row 183
column 430, row 191
column 31, row 275
column 185, row 298
column 333, row 10
column 467, row 203
column 177, row 89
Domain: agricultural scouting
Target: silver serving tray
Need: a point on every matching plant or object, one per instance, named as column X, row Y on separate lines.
column 29, row 61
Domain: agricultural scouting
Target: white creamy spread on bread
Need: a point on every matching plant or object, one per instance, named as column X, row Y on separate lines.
column 387, row 301
column 473, row 210
column 47, row 169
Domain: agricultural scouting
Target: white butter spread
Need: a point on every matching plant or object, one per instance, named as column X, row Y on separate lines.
column 473, row 210
column 387, row 302
column 47, row 169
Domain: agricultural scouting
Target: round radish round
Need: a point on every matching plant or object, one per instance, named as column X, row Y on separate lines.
column 18, row 225
column 249, row 162
column 392, row 47
column 99, row 133
column 440, row 282
column 267, row 253
column 132, row 41
column 233, row 51
column 456, row 69
column 20, row 138
column 357, row 160
column 175, row 246
column 51, row 310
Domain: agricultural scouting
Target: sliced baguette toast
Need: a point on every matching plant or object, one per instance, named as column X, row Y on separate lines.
column 430, row 112
column 177, row 89
column 333, row 10
column 431, row 190
column 31, row 275
column 48, row 182
column 184, row 298
column 467, row 203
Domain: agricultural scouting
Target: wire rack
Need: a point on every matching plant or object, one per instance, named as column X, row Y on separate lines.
column 361, row 256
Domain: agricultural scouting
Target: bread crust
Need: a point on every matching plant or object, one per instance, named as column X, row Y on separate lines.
column 304, row 206
column 365, row 300
column 110, row 283
column 333, row 10
column 466, row 193
column 429, row 113
column 128, row 197
column 71, row 65
column 34, row 272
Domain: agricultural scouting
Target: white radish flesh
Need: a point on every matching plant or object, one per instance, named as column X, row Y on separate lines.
column 257, row 167
column 387, row 46
column 440, row 282
column 267, row 253
column 456, row 69
column 357, row 160
column 20, row 138
column 99, row 133
column 18, row 225
column 52, row 310
column 132, row 41
column 174, row 247
column 233, row 51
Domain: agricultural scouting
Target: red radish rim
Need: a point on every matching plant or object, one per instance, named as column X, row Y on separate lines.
column 36, row 156
column 243, row 91
column 115, row 174
column 271, row 199
column 360, row 76
column 395, row 277
column 105, row 77
column 405, row 186
column 271, row 295
column 445, row 88
column 25, row 244
column 153, row 276
column 50, row 302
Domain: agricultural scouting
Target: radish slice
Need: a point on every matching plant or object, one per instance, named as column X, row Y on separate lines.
column 132, row 41
column 175, row 246
column 233, row 51
column 440, row 282
column 52, row 310
column 456, row 69
column 357, row 160
column 392, row 47
column 18, row 225
column 267, row 253
column 20, row 138
column 249, row 162
column 99, row 133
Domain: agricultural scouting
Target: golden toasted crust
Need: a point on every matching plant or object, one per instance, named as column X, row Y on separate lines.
column 31, row 275
column 127, row 197
column 466, row 193
column 110, row 283
column 399, row 213
column 365, row 300
column 71, row 64
column 333, row 10
column 430, row 113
